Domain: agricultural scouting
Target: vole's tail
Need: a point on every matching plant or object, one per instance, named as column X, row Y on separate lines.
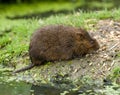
column 25, row 68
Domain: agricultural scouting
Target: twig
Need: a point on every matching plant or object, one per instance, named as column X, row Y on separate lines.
column 113, row 62
column 114, row 46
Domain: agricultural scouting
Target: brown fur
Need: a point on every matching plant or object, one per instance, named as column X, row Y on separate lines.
column 59, row 42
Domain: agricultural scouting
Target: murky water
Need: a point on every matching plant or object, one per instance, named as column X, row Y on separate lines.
column 21, row 88
column 15, row 88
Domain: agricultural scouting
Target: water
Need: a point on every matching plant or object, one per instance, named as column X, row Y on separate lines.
column 15, row 88
column 22, row 88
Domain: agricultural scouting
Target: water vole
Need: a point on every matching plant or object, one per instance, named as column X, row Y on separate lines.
column 59, row 42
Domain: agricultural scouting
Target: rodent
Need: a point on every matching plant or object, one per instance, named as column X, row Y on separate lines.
column 59, row 42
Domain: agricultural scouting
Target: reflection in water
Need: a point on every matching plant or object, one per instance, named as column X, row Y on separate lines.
column 45, row 90
column 50, row 90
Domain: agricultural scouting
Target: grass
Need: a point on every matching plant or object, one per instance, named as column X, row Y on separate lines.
column 15, row 43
